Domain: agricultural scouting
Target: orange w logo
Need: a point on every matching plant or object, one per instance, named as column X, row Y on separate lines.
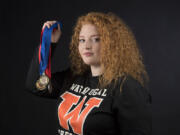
column 77, row 116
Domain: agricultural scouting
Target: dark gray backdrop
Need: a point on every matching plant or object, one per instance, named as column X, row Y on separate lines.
column 156, row 25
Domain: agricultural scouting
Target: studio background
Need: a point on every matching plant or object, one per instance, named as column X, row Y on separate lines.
column 156, row 25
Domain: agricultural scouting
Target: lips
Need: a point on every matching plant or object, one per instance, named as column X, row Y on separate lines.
column 88, row 53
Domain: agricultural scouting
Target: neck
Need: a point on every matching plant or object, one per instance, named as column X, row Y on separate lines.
column 96, row 70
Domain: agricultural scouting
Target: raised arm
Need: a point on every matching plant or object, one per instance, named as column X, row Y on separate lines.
column 34, row 82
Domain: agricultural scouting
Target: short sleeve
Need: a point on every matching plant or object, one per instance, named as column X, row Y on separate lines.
column 133, row 109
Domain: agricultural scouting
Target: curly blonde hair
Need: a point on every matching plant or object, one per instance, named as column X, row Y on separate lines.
column 120, row 54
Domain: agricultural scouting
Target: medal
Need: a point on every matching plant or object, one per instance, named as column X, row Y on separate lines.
column 45, row 49
column 45, row 57
column 44, row 80
column 42, row 83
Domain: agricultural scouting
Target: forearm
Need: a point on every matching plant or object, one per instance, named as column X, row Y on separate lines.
column 33, row 74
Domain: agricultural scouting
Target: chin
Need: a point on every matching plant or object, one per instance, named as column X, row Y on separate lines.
column 88, row 63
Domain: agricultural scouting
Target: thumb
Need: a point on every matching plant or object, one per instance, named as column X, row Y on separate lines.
column 58, row 27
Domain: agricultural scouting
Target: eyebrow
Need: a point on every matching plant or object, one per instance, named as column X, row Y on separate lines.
column 92, row 35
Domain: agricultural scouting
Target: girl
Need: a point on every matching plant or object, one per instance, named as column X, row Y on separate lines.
column 104, row 91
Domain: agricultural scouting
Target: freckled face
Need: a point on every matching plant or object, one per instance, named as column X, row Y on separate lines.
column 89, row 45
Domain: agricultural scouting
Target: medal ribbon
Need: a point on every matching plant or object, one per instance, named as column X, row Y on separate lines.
column 45, row 49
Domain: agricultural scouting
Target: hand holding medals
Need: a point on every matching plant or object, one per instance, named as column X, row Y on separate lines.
column 56, row 34
column 50, row 33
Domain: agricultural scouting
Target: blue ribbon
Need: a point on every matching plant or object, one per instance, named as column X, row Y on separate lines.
column 45, row 46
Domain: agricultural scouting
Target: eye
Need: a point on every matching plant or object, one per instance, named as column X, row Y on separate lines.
column 81, row 40
column 97, row 39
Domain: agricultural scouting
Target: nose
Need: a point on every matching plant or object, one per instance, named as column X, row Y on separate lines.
column 88, row 44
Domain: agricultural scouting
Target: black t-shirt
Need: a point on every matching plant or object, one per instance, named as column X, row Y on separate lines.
column 84, row 109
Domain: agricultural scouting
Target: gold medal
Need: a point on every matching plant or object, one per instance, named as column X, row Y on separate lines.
column 42, row 83
column 44, row 80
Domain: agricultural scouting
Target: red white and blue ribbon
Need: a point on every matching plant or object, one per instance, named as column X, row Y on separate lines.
column 45, row 49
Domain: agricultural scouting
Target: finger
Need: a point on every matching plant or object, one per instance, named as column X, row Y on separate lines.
column 48, row 21
column 45, row 25
column 52, row 22
column 58, row 27
column 48, row 24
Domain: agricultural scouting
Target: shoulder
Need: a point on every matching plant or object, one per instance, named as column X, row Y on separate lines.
column 131, row 83
column 129, row 87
